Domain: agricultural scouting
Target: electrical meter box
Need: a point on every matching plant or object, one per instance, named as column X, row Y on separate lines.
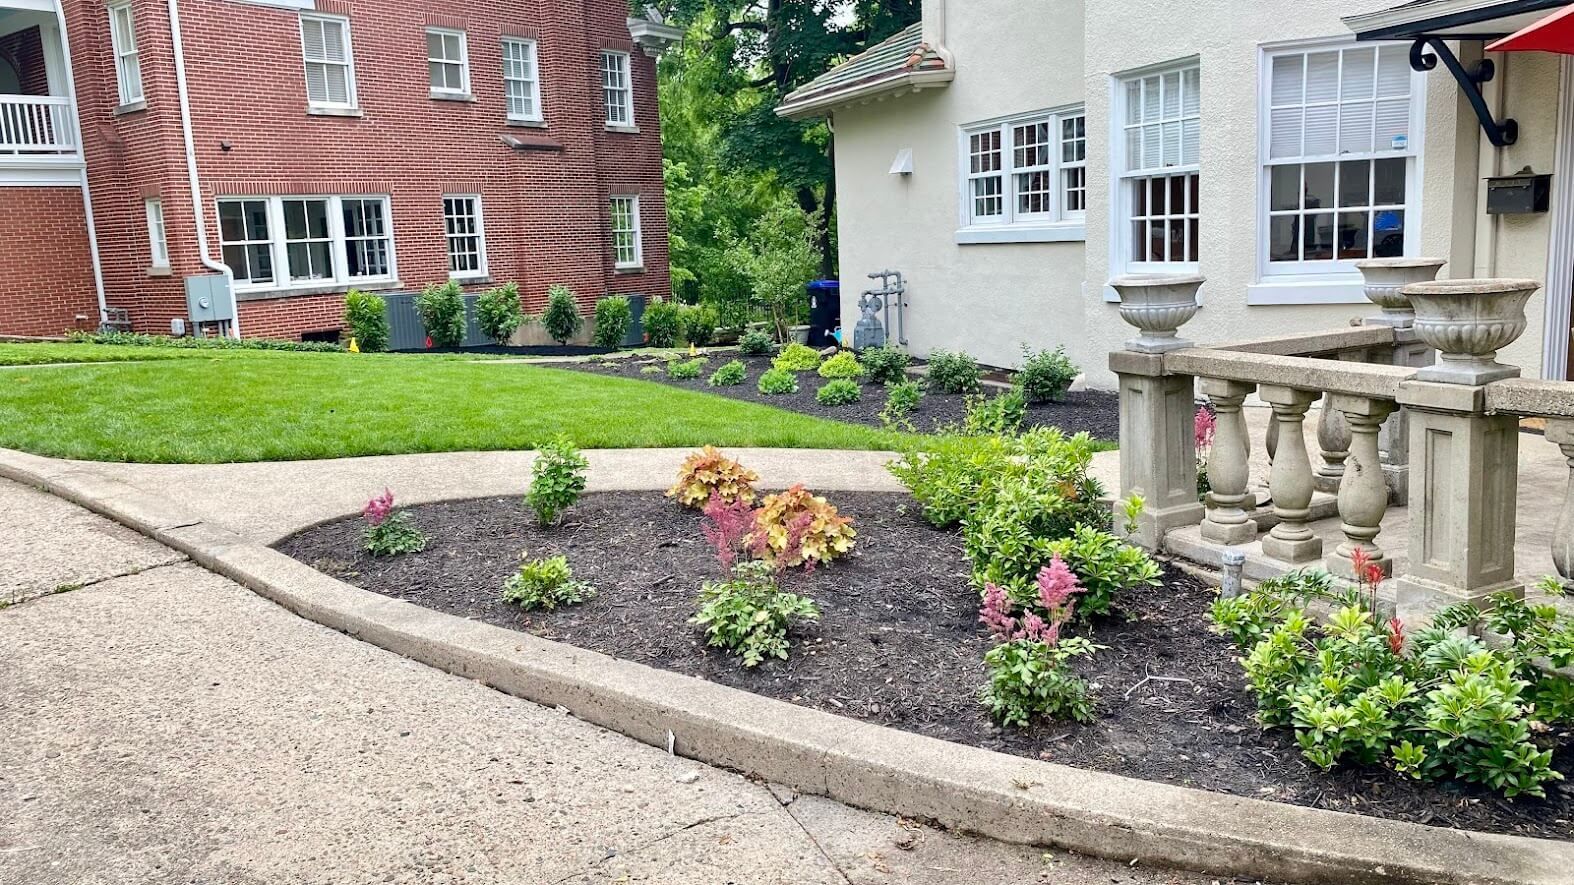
column 209, row 299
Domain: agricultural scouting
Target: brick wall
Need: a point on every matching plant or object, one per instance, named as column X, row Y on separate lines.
column 545, row 211
column 46, row 271
column 24, row 50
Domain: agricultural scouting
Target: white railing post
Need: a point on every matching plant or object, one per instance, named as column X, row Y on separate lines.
column 1290, row 482
column 36, row 125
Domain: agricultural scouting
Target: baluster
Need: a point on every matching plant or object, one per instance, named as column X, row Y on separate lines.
column 1333, row 439
column 1363, row 494
column 1562, row 433
column 1226, row 521
column 1290, row 480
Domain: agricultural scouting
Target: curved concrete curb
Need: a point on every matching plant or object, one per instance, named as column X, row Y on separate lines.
column 978, row 791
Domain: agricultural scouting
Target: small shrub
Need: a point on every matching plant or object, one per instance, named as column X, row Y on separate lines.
column 750, row 614
column 901, row 400
column 842, row 365
column 545, row 583
column 886, row 365
column 778, row 382
column 613, row 316
column 442, row 312
column 841, row 392
column 1106, row 566
column 997, row 415
column 755, row 344
column 708, row 474
column 952, row 372
column 699, row 324
column 498, row 313
column 663, row 323
column 686, row 370
column 729, row 375
column 389, row 533
column 557, row 479
column 957, row 475
column 1045, row 375
column 797, row 357
column 796, row 527
column 1009, row 540
column 1029, row 679
column 366, row 315
column 561, row 319
column 652, row 370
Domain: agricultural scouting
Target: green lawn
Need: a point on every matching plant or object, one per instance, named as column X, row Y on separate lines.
column 44, row 354
column 217, row 406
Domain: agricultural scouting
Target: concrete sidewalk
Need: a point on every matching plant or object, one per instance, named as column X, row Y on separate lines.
column 161, row 724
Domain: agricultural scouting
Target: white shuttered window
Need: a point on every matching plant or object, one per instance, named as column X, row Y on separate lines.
column 522, row 79
column 1158, row 165
column 330, row 72
column 1341, row 142
column 128, row 59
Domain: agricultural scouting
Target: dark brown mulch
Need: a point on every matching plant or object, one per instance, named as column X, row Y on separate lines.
column 899, row 645
column 1093, row 411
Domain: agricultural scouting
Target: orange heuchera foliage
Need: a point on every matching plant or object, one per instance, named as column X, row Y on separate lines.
column 709, row 472
column 798, row 527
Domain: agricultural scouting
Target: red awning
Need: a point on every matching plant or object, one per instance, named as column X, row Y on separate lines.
column 1555, row 33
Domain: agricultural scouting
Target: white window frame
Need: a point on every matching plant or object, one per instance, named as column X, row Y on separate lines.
column 1053, row 223
column 463, row 62
column 278, row 246
column 158, row 233
column 625, row 69
column 1336, row 280
column 532, row 76
column 351, row 101
column 638, row 260
column 450, row 218
column 1125, row 181
column 128, row 58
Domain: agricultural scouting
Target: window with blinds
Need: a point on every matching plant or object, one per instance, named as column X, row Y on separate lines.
column 1341, row 140
column 1159, row 166
column 521, row 79
column 330, row 74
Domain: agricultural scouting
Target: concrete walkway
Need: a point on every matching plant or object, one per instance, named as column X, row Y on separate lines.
column 160, row 724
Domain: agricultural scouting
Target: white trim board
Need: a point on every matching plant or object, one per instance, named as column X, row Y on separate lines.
column 1560, row 239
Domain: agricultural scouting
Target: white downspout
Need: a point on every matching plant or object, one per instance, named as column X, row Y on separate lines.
column 87, row 194
column 208, row 260
column 934, row 30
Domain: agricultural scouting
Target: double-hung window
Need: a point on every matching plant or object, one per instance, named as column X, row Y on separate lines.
column 1025, row 172
column 158, row 237
column 466, row 238
column 448, row 61
column 1156, row 150
column 1340, row 143
column 627, row 250
column 616, row 88
column 522, row 80
column 294, row 242
column 128, row 61
column 330, row 69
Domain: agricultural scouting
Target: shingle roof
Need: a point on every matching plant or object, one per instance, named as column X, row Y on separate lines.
column 898, row 62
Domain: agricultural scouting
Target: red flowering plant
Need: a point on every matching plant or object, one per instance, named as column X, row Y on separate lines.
column 749, row 614
column 1029, row 669
column 1204, row 425
column 389, row 533
column 1369, row 575
column 727, row 525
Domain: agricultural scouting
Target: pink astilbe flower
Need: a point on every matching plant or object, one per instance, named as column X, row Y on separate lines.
column 377, row 509
column 996, row 614
column 1057, row 584
column 726, row 526
column 1203, row 428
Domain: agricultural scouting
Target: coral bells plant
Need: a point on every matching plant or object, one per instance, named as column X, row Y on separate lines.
column 797, row 527
column 707, row 474
column 389, row 533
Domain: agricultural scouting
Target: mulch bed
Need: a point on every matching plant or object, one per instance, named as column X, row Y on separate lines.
column 899, row 645
column 1096, row 412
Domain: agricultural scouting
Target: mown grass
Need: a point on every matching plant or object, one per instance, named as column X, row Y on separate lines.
column 168, row 406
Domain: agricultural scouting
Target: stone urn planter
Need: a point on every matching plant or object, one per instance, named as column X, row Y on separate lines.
column 1158, row 305
column 1468, row 321
column 798, row 334
column 1385, row 277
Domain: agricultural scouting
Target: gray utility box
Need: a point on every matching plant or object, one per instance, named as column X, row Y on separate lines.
column 209, row 299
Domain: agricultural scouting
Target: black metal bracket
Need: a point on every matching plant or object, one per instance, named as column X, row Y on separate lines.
column 1501, row 134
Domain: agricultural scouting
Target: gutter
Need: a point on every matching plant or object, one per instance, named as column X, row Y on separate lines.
column 193, row 180
column 914, row 80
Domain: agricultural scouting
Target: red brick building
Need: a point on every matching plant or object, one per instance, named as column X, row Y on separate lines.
column 295, row 149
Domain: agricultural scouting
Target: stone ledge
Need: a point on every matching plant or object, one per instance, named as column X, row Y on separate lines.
column 1308, row 343
column 1530, row 396
column 1336, row 376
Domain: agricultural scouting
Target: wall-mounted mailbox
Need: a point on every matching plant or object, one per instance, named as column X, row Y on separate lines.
column 1518, row 194
column 209, row 299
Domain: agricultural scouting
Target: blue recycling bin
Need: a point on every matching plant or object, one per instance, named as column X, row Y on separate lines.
column 825, row 311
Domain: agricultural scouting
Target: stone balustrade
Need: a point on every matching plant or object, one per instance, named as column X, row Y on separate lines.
column 1414, row 409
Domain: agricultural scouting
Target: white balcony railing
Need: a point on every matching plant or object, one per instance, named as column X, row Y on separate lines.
column 37, row 126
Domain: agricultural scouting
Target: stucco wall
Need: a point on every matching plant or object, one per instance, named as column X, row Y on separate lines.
column 989, row 300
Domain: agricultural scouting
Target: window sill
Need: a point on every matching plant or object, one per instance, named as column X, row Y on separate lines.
column 160, row 272
column 471, row 279
column 452, row 96
column 131, row 108
column 528, row 124
column 625, row 130
column 1338, row 290
column 328, row 111
column 1044, row 233
column 327, row 289
column 629, row 269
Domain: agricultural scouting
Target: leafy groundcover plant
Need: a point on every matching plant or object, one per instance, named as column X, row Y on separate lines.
column 545, row 583
column 797, row 357
column 901, row 400
column 686, row 370
column 729, row 375
column 886, row 365
column 1433, row 704
column 557, row 479
column 749, row 614
column 778, row 382
column 841, row 392
column 707, row 475
column 389, row 533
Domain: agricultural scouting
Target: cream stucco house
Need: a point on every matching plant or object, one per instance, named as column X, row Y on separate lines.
column 1010, row 157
